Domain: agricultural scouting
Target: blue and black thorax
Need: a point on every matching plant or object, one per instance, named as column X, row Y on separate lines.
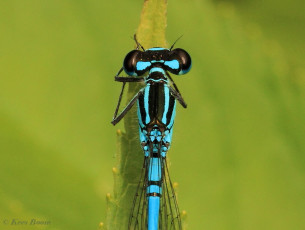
column 157, row 102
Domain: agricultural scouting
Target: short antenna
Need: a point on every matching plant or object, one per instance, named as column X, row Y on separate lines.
column 175, row 42
column 138, row 44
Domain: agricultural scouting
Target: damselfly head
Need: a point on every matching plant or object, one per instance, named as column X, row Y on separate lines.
column 176, row 61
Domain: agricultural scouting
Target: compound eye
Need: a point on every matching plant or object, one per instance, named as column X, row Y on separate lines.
column 184, row 59
column 130, row 62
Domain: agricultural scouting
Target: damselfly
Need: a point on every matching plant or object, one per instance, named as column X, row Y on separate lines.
column 155, row 206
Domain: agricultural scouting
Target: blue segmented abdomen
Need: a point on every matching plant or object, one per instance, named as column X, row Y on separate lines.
column 156, row 114
column 154, row 191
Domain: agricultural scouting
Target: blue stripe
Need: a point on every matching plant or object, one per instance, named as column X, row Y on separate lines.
column 146, row 98
column 166, row 95
column 157, row 48
column 155, row 61
column 157, row 69
column 158, row 80
column 141, row 65
column 173, row 64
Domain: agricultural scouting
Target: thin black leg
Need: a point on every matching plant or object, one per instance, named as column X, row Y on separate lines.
column 178, row 96
column 120, row 71
column 119, row 101
column 116, row 118
column 175, row 86
column 127, row 79
column 176, row 93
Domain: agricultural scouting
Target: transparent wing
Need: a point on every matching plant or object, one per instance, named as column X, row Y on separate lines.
column 138, row 215
column 169, row 211
column 169, row 216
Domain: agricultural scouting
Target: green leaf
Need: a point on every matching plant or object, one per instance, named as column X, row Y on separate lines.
column 151, row 32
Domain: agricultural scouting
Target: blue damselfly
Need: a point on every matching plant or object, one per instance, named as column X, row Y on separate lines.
column 155, row 206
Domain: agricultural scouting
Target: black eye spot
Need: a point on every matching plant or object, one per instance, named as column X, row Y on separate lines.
column 130, row 62
column 184, row 59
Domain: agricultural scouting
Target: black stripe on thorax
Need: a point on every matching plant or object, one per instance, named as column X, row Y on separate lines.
column 170, row 109
column 141, row 108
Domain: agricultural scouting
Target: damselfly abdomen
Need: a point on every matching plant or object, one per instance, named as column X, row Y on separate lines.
column 155, row 206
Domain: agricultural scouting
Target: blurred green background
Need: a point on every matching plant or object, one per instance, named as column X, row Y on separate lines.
column 237, row 152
